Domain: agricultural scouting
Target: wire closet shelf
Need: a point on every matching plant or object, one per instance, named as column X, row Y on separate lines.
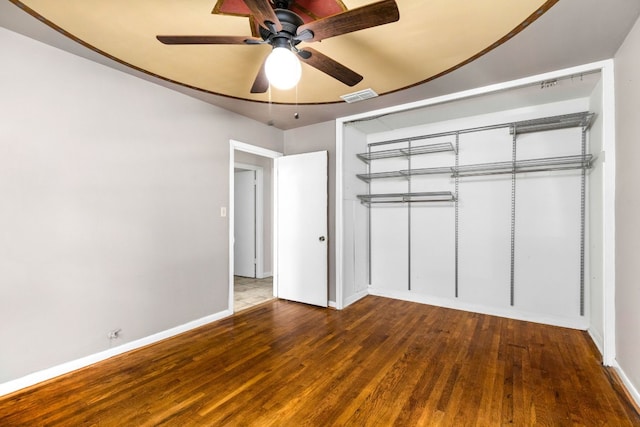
column 559, row 163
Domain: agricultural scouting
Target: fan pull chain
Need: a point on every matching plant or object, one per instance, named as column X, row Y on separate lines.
column 296, row 115
column 270, row 112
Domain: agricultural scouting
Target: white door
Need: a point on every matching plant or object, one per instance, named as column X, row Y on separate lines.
column 244, row 219
column 302, row 228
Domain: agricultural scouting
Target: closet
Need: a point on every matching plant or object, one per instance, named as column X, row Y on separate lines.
column 487, row 204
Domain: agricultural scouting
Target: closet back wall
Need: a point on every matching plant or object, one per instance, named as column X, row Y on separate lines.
column 413, row 245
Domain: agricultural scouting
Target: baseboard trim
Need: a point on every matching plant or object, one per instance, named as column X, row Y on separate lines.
column 596, row 337
column 475, row 308
column 632, row 392
column 73, row 365
column 353, row 298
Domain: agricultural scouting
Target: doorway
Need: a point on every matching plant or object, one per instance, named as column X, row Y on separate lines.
column 253, row 283
column 248, row 221
column 251, row 251
column 299, row 211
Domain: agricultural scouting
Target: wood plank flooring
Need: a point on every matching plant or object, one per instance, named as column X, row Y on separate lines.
column 380, row 362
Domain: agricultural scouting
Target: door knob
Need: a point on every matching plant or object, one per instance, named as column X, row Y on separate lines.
column 321, row 238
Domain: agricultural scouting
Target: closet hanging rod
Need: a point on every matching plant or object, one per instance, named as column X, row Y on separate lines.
column 433, row 196
column 438, row 135
column 583, row 119
column 405, row 173
column 547, row 164
column 413, row 138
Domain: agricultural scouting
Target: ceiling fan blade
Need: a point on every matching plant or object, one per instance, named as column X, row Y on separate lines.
column 372, row 15
column 264, row 14
column 261, row 83
column 207, row 39
column 330, row 66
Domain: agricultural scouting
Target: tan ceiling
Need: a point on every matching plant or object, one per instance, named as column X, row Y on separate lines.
column 432, row 37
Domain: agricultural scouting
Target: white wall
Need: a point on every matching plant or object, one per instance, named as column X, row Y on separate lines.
column 627, row 80
column 110, row 196
column 319, row 137
column 355, row 218
column 547, row 238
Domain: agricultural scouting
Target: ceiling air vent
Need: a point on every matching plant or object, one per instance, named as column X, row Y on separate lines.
column 361, row 95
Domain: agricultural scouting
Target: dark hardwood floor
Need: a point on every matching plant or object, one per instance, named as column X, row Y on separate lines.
column 379, row 362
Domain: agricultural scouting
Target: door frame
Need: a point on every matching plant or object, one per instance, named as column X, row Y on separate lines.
column 264, row 152
column 258, row 217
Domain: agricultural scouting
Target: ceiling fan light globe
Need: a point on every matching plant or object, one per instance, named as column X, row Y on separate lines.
column 283, row 68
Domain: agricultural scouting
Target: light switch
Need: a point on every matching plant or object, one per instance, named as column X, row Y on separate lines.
column 223, row 211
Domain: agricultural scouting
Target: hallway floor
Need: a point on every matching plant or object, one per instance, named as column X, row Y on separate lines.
column 249, row 291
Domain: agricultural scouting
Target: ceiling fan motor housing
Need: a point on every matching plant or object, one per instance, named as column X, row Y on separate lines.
column 290, row 22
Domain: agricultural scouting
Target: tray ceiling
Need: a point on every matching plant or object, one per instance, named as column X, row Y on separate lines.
column 430, row 39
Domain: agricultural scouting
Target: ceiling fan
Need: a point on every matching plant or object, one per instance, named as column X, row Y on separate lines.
column 284, row 30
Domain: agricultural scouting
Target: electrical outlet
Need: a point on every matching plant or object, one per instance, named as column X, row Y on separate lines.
column 114, row 334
